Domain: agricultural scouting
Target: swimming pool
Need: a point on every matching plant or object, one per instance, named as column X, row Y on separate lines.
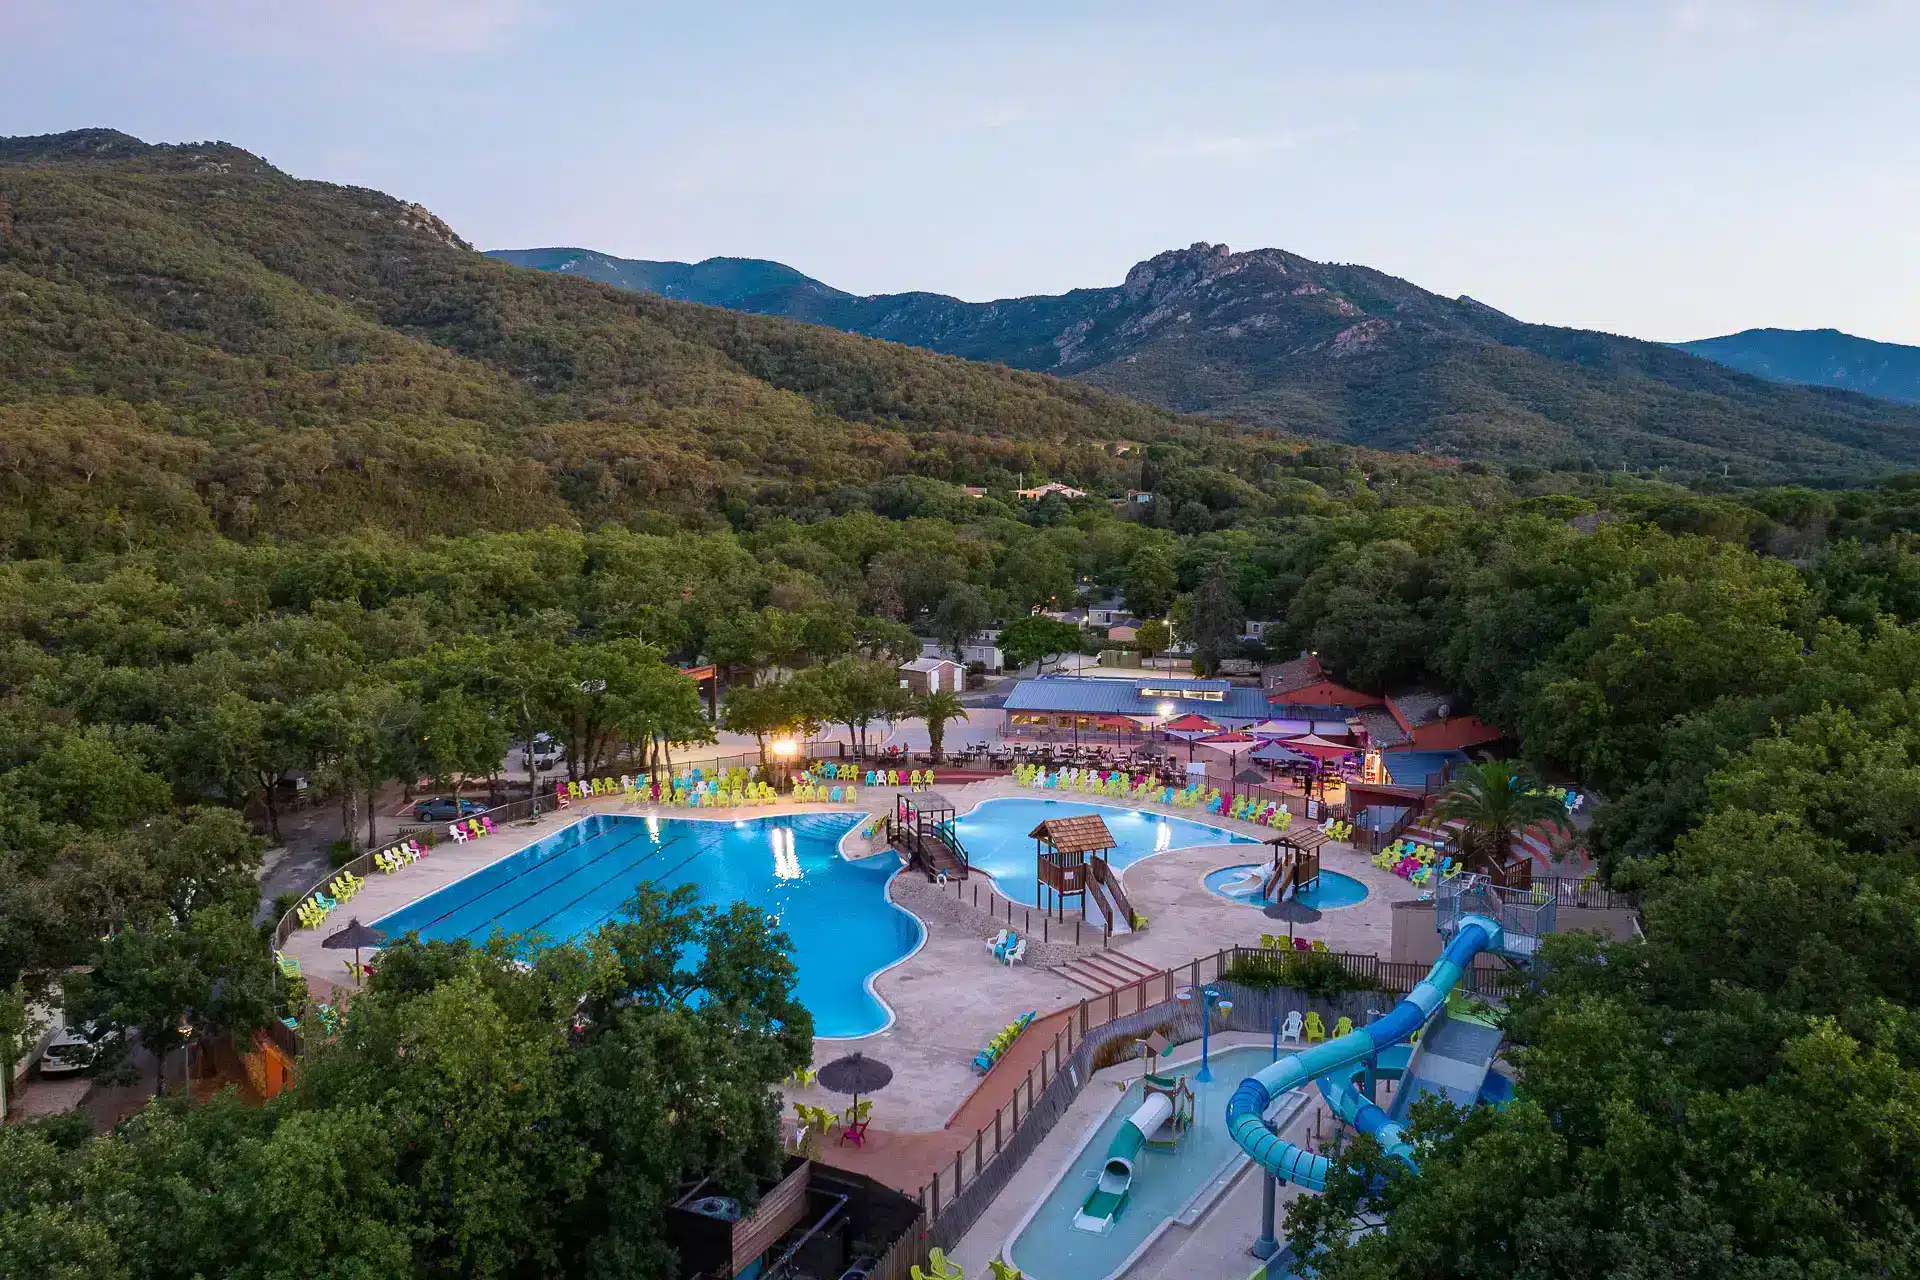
column 1048, row 1247
column 1331, row 892
column 996, row 839
column 844, row 930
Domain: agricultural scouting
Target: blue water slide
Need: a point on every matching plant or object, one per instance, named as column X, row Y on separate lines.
column 1330, row 1061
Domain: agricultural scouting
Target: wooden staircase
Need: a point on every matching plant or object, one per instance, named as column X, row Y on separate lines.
column 1102, row 971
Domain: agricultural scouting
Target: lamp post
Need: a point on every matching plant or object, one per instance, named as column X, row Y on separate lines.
column 1211, row 998
column 784, row 750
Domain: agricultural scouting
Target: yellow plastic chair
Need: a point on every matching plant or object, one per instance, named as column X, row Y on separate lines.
column 1343, row 1027
column 1316, row 1029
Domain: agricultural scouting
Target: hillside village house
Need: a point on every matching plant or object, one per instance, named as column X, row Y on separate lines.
column 1052, row 486
column 1124, row 630
column 931, row 675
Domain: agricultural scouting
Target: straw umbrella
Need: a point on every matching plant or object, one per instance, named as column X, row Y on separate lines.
column 856, row 1074
column 354, row 937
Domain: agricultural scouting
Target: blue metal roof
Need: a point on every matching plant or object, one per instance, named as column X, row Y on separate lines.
column 1413, row 768
column 1092, row 695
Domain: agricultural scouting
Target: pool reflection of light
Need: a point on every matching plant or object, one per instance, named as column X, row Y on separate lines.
column 1162, row 837
column 653, row 827
column 786, row 861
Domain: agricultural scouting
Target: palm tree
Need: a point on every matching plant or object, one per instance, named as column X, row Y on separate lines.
column 1492, row 801
column 937, row 708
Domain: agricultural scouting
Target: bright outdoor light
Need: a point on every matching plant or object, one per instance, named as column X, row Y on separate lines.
column 784, row 747
column 1165, row 708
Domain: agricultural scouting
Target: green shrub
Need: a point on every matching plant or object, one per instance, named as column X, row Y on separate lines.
column 340, row 853
column 1315, row 972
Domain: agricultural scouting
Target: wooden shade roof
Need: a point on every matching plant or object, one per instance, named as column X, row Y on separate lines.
column 1086, row 833
column 1306, row 840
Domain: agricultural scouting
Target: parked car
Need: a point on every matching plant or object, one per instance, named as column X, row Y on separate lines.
column 68, row 1054
column 446, row 808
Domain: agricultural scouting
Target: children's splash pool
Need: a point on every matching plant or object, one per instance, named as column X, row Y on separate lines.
column 1330, row 892
column 1049, row 1247
column 836, row 911
column 996, row 839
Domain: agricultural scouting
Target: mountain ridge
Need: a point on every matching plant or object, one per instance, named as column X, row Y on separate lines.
column 1349, row 353
column 1818, row 357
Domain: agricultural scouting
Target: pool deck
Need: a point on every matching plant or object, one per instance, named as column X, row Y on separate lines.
column 950, row 997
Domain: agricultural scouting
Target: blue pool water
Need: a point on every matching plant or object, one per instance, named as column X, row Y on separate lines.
column 996, row 839
column 1333, row 890
column 836, row 912
column 1050, row 1248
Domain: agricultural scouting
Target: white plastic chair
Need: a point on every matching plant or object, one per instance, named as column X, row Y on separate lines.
column 460, row 835
column 1291, row 1029
column 1018, row 952
column 996, row 942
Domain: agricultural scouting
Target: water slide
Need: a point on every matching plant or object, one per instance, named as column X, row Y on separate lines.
column 1116, row 1176
column 1331, row 1063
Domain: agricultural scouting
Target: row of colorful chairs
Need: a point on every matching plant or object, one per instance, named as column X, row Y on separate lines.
column 1002, row 1041
column 391, row 860
column 1278, row 942
column 1266, row 813
column 471, row 828
column 1310, row 1028
column 339, row 889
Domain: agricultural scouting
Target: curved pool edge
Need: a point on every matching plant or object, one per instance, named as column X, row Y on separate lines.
column 1367, row 894
column 886, row 892
column 1120, row 872
column 675, row 815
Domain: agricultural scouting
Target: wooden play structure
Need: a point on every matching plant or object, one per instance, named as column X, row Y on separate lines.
column 1071, row 857
column 1295, row 865
column 923, row 833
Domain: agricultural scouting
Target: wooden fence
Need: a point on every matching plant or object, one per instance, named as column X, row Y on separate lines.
column 984, row 1163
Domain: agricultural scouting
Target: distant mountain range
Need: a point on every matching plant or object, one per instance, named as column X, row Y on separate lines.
column 1344, row 353
column 1818, row 358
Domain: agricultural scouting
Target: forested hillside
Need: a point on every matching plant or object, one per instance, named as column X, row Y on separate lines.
column 191, row 340
column 1345, row 353
column 1819, row 358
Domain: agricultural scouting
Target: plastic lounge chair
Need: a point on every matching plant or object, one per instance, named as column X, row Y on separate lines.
column 1016, row 953
column 998, row 942
column 1000, row 952
column 1291, row 1029
column 1343, row 1027
column 458, row 832
column 944, row 1268
column 1316, row 1029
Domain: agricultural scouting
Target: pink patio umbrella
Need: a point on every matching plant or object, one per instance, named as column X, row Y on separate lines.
column 1190, row 726
column 1319, row 748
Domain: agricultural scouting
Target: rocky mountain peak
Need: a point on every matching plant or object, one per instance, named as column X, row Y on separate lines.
column 417, row 217
column 1168, row 273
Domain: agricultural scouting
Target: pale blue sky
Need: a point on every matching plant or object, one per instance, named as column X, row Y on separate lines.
column 1668, row 169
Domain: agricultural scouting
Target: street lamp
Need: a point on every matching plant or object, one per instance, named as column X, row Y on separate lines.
column 784, row 750
column 1211, row 998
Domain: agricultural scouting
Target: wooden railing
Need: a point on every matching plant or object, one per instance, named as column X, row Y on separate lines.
column 954, row 1197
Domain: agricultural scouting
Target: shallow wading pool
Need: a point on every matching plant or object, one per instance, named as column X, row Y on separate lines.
column 995, row 835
